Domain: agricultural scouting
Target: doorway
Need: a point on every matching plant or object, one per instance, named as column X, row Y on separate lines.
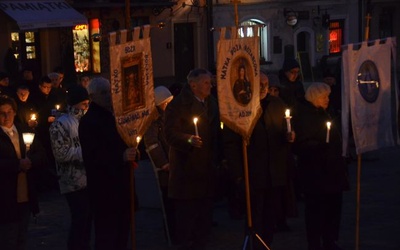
column 183, row 50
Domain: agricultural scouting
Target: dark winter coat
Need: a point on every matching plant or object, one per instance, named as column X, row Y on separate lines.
column 321, row 165
column 9, row 169
column 192, row 170
column 102, row 152
column 267, row 152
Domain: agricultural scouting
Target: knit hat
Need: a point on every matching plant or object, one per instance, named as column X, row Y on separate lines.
column 76, row 95
column 315, row 90
column 162, row 94
column 290, row 63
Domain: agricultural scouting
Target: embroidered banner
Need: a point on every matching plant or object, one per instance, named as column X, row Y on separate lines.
column 369, row 96
column 132, row 87
column 238, row 81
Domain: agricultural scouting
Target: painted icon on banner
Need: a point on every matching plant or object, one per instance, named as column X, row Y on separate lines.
column 132, row 89
column 241, row 80
column 368, row 81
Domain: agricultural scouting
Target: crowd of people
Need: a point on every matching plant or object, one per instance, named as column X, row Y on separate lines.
column 77, row 150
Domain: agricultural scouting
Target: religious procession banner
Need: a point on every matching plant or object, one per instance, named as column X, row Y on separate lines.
column 238, row 81
column 132, row 87
column 370, row 95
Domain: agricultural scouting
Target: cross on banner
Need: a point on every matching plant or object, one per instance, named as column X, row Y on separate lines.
column 235, row 3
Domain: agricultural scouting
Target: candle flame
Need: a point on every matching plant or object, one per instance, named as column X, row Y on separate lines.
column 57, row 107
column 33, row 117
column 287, row 113
column 328, row 125
column 195, row 120
column 221, row 125
column 138, row 139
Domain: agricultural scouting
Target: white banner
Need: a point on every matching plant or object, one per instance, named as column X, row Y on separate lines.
column 132, row 87
column 238, row 81
column 369, row 96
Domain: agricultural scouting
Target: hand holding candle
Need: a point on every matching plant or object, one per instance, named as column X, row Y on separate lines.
column 328, row 129
column 288, row 117
column 32, row 122
column 195, row 120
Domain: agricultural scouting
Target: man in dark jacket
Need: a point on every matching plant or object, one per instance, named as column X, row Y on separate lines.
column 192, row 149
column 107, row 161
column 17, row 169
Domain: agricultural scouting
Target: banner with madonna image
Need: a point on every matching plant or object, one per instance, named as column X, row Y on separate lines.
column 238, row 80
column 132, row 87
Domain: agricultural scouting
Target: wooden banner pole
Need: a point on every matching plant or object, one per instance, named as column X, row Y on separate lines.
column 358, row 191
column 235, row 4
column 128, row 14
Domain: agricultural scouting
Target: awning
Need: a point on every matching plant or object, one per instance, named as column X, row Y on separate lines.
column 42, row 14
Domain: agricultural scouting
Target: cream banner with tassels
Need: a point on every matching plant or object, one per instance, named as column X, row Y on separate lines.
column 370, row 95
column 132, row 87
column 238, row 81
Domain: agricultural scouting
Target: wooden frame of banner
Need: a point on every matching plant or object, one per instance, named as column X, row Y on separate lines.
column 250, row 232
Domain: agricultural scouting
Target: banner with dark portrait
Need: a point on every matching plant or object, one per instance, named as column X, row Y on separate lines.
column 132, row 88
column 370, row 95
column 238, row 81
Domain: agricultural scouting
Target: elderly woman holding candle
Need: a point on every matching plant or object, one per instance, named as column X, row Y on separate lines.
column 17, row 189
column 322, row 167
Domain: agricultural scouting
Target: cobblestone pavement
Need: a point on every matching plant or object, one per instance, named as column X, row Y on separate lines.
column 379, row 214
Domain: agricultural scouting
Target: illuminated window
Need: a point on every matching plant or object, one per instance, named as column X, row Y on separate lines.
column 81, row 48
column 335, row 36
column 15, row 44
column 246, row 31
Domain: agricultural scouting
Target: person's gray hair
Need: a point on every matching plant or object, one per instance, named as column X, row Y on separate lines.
column 98, row 85
column 315, row 90
column 196, row 74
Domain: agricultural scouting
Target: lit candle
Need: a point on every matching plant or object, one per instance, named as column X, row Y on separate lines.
column 28, row 139
column 195, row 120
column 328, row 129
column 33, row 117
column 57, row 107
column 138, row 138
column 288, row 117
column 221, row 124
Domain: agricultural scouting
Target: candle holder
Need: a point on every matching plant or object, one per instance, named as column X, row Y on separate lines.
column 28, row 139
